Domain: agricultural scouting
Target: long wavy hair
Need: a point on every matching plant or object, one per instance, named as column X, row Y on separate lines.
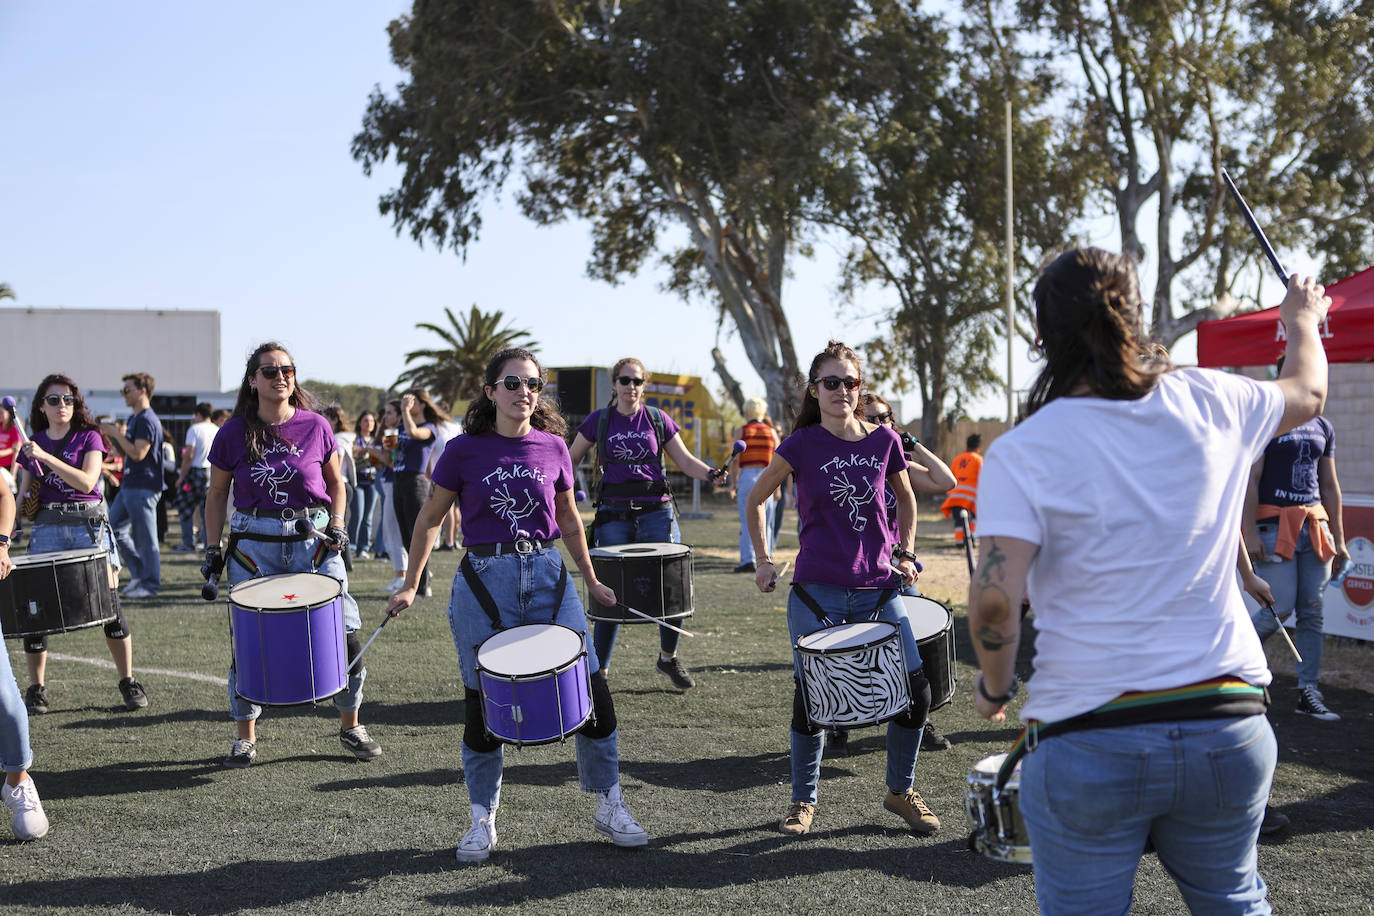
column 810, row 412
column 481, row 415
column 257, row 433
column 1088, row 312
column 81, row 414
column 358, row 425
column 433, row 412
column 615, row 371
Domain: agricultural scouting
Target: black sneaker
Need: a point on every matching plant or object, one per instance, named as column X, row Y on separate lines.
column 36, row 699
column 241, row 754
column 932, row 739
column 1274, row 821
column 837, row 742
column 1310, row 703
column 746, row 567
column 132, row 691
column 359, row 743
column 672, row 669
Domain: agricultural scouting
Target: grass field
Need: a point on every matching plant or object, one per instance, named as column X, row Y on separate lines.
column 145, row 820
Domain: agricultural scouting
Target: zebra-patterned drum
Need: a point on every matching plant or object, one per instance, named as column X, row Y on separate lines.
column 854, row 674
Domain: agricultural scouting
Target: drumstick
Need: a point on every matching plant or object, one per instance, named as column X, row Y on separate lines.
column 968, row 543
column 653, row 619
column 1286, row 637
column 1255, row 227
column 354, row 663
column 210, row 590
column 780, row 571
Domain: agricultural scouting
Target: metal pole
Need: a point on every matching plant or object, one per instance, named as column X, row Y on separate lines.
column 1011, row 318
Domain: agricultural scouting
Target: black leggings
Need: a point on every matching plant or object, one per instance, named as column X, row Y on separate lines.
column 408, row 493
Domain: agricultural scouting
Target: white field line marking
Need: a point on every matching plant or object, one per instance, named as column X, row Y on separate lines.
column 106, row 663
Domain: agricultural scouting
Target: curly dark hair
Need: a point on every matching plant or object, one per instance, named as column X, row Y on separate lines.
column 810, row 412
column 258, row 433
column 81, row 414
column 481, row 415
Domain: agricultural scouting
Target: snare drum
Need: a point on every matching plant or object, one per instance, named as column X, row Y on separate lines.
column 854, row 674
column 535, row 685
column 653, row 578
column 933, row 627
column 288, row 638
column 998, row 830
column 56, row 592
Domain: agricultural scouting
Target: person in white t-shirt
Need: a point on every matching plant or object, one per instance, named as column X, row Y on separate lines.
column 445, row 431
column 193, row 479
column 1117, row 506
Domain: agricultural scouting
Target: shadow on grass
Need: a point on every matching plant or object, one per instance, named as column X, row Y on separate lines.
column 422, row 713
column 234, row 888
column 130, row 777
column 122, row 718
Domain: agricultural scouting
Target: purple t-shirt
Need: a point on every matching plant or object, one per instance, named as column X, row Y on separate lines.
column 1289, row 474
column 506, row 486
column 53, row 489
column 629, row 441
column 845, row 538
column 290, row 473
column 414, row 456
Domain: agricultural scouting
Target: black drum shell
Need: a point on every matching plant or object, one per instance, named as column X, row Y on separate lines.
column 57, row 592
column 658, row 584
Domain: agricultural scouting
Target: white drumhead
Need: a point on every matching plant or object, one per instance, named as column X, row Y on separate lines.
column 285, row 591
column 989, row 766
column 927, row 617
column 847, row 636
column 642, row 550
column 57, row 557
column 530, row 649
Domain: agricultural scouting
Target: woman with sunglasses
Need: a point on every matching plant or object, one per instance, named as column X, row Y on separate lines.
column 634, row 503
column 280, row 455
column 66, row 455
column 512, row 478
column 1117, row 505
column 848, row 568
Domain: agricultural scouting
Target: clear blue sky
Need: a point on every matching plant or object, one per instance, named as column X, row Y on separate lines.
column 184, row 155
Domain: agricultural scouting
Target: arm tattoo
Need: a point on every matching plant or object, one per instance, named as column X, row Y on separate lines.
column 994, row 560
column 992, row 639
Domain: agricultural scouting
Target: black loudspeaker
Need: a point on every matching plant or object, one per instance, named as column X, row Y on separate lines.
column 575, row 391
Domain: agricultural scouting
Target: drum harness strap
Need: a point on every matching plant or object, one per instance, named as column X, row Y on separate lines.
column 479, row 591
column 1217, row 698
column 238, row 556
column 644, row 496
column 887, row 595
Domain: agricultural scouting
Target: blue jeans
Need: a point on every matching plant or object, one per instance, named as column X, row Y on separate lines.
column 1196, row 788
column 360, row 516
column 850, row 605
column 54, row 538
column 15, row 754
column 1297, row 585
column 656, row 527
column 523, row 589
column 133, row 516
column 743, row 486
column 287, row 557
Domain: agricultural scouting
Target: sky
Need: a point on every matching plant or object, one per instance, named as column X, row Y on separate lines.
column 186, row 155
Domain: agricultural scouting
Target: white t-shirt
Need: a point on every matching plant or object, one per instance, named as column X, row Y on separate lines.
column 1136, row 507
column 198, row 439
column 443, row 434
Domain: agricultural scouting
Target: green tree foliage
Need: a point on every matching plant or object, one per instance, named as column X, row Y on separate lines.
column 927, row 215
column 717, row 120
column 1165, row 95
column 6, row 291
column 454, row 371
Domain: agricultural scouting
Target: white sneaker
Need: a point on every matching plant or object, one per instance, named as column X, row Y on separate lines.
column 613, row 819
column 395, row 585
column 135, row 592
column 362, row 555
column 478, row 842
column 30, row 823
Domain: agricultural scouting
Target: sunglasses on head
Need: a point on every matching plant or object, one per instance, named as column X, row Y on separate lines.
column 513, row 383
column 630, row 380
column 879, row 417
column 52, row 400
column 833, row 382
column 271, row 372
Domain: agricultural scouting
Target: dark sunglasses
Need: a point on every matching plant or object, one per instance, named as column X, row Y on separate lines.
column 513, row 383
column 52, row 400
column 271, row 372
column 879, row 417
column 630, row 380
column 833, row 382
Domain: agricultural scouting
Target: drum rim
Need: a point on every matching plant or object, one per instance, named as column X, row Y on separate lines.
column 531, row 675
column 644, row 551
column 310, row 606
column 59, row 557
column 807, row 650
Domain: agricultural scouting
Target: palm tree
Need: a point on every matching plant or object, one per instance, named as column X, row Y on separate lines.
column 6, row 291
column 455, row 371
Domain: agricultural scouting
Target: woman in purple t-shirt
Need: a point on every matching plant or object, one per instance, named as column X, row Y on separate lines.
column 512, row 479
column 66, row 455
column 634, row 505
column 845, row 569
column 282, row 460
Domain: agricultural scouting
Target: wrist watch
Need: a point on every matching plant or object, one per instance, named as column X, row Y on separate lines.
column 903, row 554
column 1004, row 698
column 4, row 540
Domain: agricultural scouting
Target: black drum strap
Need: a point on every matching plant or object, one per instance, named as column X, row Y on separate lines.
column 479, row 591
column 810, row 602
column 887, row 595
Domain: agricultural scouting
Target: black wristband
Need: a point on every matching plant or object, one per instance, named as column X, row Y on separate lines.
column 902, row 554
column 1004, row 698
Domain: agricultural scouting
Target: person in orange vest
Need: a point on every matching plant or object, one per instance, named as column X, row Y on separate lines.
column 964, row 497
column 760, row 439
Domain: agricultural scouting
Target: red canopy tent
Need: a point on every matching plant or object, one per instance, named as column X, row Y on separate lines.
column 1257, row 338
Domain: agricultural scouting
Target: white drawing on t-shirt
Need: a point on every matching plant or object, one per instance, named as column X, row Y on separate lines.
column 274, row 479
column 628, row 446
column 854, row 497
column 504, row 505
column 1304, row 468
